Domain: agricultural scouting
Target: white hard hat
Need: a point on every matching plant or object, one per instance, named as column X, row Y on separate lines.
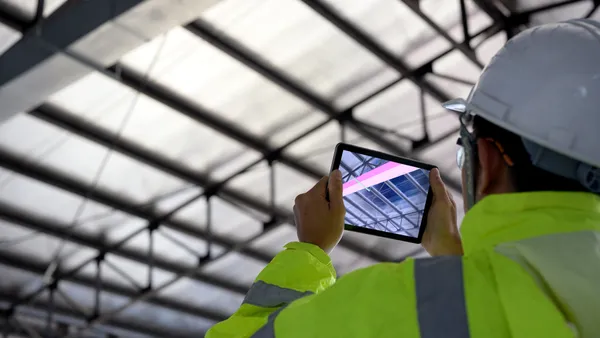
column 544, row 85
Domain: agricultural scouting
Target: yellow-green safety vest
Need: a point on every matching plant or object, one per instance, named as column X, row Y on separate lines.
column 531, row 268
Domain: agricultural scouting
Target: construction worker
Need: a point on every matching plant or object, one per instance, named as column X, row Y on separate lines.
column 527, row 260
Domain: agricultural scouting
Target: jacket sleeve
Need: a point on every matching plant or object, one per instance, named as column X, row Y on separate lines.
column 294, row 296
column 300, row 270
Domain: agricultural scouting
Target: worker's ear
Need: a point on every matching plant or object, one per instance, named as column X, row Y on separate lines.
column 492, row 176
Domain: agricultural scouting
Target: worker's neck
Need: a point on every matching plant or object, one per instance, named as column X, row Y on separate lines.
column 498, row 188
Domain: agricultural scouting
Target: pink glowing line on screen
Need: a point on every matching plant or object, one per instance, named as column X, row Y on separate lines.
column 384, row 173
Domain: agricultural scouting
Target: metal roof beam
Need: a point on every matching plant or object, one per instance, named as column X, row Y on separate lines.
column 525, row 16
column 17, row 262
column 57, row 230
column 46, row 59
column 354, row 32
column 490, row 8
column 96, row 134
column 50, row 176
column 85, row 129
column 462, row 47
column 484, row 34
column 233, row 48
column 79, row 126
column 11, row 18
column 114, row 326
column 252, row 60
column 184, row 106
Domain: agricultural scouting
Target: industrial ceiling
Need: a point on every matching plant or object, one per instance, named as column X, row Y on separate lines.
column 150, row 151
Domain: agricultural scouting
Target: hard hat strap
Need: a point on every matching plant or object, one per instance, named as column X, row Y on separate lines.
column 469, row 143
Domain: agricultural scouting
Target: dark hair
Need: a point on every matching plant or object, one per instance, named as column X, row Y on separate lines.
column 524, row 175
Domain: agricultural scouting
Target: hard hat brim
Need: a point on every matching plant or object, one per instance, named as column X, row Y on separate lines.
column 456, row 105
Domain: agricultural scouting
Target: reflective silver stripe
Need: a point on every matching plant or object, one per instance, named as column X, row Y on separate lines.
column 269, row 295
column 441, row 307
column 268, row 330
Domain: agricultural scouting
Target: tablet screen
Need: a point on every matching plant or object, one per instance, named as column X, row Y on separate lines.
column 383, row 195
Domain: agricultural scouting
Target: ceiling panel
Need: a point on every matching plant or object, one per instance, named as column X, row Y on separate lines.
column 173, row 246
column 110, row 224
column 136, row 271
column 41, row 248
column 189, row 291
column 449, row 17
column 274, row 240
column 7, row 38
column 18, row 281
column 317, row 149
column 85, row 298
column 443, row 154
column 393, row 24
column 256, row 183
column 141, row 314
column 35, row 317
column 94, row 165
column 29, row 7
column 110, row 105
column 488, row 48
column 204, row 74
column 288, row 184
column 44, row 200
column 298, row 41
column 227, row 220
column 478, row 20
column 153, row 317
column 399, row 110
column 457, row 65
column 234, row 266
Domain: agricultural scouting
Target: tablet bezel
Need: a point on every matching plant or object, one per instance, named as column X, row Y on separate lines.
column 337, row 157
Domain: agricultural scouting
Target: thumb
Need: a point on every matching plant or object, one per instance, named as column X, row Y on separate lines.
column 320, row 188
column 335, row 190
column 436, row 183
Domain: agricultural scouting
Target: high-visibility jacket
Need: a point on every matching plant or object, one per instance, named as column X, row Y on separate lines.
column 531, row 268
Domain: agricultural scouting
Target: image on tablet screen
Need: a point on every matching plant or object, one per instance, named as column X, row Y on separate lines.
column 383, row 195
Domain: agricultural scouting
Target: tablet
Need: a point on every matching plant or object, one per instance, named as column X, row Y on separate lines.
column 384, row 195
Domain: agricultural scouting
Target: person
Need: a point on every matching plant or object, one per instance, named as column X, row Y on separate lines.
column 526, row 262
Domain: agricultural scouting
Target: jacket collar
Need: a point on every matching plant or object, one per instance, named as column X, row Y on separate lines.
column 511, row 217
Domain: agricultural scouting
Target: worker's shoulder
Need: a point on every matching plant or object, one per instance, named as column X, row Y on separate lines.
column 395, row 281
column 381, row 275
column 408, row 265
column 407, row 268
column 425, row 267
